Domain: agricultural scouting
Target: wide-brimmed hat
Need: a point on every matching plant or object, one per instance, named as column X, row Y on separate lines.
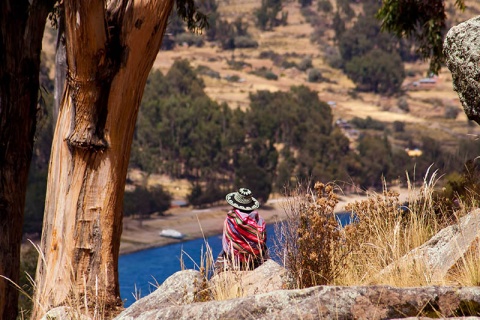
column 242, row 200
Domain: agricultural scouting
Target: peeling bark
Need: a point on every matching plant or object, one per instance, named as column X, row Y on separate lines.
column 91, row 147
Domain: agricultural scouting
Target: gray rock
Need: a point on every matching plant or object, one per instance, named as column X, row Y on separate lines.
column 64, row 313
column 266, row 278
column 180, row 288
column 329, row 302
column 439, row 254
column 462, row 52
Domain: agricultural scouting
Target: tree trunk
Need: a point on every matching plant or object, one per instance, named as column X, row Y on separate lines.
column 110, row 52
column 21, row 32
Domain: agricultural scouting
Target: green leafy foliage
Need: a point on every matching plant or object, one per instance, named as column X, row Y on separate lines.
column 270, row 15
column 188, row 11
column 324, row 6
column 423, row 21
column 315, row 75
column 144, row 202
column 377, row 71
column 265, row 73
column 372, row 59
column 367, row 123
column 235, row 35
column 373, row 173
column 305, row 3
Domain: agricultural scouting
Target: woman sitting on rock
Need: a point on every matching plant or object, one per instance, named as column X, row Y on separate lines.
column 244, row 234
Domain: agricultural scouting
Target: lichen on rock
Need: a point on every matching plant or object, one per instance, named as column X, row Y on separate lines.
column 462, row 53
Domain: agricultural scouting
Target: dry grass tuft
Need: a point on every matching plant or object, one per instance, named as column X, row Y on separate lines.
column 80, row 303
column 309, row 237
column 316, row 250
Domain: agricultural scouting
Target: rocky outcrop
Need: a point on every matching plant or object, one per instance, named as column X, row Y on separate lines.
column 438, row 255
column 179, row 289
column 269, row 277
column 262, row 299
column 325, row 302
column 462, row 52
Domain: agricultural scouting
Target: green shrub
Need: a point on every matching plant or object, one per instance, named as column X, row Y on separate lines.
column 398, row 126
column 200, row 197
column 265, row 73
column 145, row 201
column 245, row 42
column 305, row 64
column 325, row 6
column 367, row 123
column 233, row 78
column 315, row 75
column 238, row 64
column 402, row 104
column 451, row 112
column 208, row 72
column 190, row 39
column 288, row 64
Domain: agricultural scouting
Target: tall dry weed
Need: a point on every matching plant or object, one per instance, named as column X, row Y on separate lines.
column 317, row 250
column 309, row 238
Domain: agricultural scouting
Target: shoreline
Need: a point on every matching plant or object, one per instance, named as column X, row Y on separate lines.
column 141, row 235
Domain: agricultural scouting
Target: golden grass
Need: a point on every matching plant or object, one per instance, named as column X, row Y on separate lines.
column 80, row 303
column 370, row 250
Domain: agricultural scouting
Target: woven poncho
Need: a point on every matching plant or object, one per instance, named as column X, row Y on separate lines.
column 244, row 235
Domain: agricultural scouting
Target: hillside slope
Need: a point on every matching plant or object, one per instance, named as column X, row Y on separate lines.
column 427, row 103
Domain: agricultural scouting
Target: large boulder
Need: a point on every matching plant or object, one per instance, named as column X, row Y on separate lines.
column 180, row 288
column 270, row 276
column 462, row 52
column 327, row 302
column 442, row 252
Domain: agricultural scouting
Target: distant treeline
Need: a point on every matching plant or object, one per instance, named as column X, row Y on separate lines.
column 281, row 139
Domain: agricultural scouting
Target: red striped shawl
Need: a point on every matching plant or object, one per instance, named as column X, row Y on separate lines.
column 244, row 234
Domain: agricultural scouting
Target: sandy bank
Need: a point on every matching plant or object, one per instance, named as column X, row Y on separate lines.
column 195, row 223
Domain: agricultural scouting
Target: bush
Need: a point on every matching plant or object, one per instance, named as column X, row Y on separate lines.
column 305, row 64
column 289, row 64
column 200, row 198
column 315, row 75
column 398, row 126
column 190, row 39
column 402, row 104
column 208, row 72
column 233, row 78
column 451, row 112
column 325, row 6
column 245, row 42
column 309, row 237
column 376, row 71
column 145, row 202
column 265, row 73
column 367, row 123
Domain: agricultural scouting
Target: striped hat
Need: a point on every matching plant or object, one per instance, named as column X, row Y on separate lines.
column 242, row 200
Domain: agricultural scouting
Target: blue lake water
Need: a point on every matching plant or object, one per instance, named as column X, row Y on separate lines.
column 145, row 269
